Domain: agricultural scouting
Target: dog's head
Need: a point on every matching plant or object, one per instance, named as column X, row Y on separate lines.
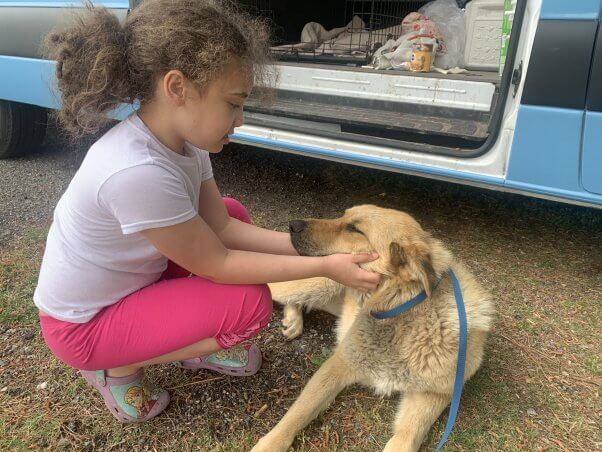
column 406, row 250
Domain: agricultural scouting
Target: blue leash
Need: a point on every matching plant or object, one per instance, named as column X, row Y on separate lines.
column 401, row 308
column 459, row 381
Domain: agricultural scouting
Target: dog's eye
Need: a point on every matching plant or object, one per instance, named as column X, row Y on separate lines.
column 351, row 228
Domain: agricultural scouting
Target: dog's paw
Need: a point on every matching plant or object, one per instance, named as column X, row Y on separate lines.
column 292, row 321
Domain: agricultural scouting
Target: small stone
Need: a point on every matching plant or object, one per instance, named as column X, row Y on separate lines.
column 565, row 373
column 4, row 389
column 62, row 442
column 531, row 412
column 42, row 386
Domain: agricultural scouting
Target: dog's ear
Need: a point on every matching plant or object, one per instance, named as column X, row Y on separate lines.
column 398, row 255
column 426, row 273
column 413, row 263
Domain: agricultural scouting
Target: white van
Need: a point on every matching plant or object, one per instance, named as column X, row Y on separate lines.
column 531, row 126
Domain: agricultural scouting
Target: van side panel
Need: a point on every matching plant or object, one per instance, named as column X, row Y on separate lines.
column 24, row 76
column 545, row 157
column 591, row 165
column 546, row 151
column 29, row 81
column 567, row 10
column 23, row 26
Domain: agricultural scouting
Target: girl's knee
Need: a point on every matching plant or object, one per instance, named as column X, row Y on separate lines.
column 237, row 210
column 260, row 312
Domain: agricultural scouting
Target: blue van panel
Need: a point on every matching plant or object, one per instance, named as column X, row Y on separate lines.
column 567, row 9
column 28, row 80
column 591, row 165
column 545, row 152
column 32, row 81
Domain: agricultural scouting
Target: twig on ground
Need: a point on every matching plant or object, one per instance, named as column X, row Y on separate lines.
column 195, row 383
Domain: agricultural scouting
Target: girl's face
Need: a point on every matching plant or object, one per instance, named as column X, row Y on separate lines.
column 206, row 118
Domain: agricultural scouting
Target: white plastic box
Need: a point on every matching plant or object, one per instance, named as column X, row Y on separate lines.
column 483, row 34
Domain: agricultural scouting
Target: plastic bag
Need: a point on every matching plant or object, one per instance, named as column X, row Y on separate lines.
column 450, row 20
column 416, row 28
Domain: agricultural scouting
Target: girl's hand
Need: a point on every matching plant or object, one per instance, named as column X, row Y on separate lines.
column 343, row 269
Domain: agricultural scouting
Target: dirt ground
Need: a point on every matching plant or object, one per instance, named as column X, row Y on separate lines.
column 538, row 389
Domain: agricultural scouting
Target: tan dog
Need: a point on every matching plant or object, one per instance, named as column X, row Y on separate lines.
column 414, row 353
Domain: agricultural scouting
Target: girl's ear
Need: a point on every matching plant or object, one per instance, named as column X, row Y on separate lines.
column 174, row 87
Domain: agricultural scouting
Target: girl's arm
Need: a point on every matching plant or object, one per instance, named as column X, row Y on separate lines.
column 194, row 246
column 235, row 234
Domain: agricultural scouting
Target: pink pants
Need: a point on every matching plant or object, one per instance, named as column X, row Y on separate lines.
column 168, row 315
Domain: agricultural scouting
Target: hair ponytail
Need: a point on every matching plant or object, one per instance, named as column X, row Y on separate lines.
column 92, row 70
column 101, row 64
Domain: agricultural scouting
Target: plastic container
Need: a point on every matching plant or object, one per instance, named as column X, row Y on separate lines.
column 483, row 32
column 422, row 58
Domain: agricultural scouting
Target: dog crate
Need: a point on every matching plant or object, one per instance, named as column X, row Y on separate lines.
column 339, row 31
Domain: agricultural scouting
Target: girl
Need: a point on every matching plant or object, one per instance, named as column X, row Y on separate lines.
column 145, row 262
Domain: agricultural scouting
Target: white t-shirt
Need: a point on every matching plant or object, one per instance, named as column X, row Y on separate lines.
column 95, row 254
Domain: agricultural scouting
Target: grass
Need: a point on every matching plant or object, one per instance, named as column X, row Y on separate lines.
column 318, row 359
column 537, row 390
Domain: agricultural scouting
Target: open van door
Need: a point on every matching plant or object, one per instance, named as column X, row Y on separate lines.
column 550, row 155
column 591, row 156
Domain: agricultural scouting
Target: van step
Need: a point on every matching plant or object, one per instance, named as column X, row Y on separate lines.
column 349, row 117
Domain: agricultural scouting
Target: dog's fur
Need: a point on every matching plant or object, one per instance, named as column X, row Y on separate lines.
column 414, row 353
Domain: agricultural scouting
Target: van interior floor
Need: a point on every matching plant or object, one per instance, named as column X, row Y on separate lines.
column 429, row 120
column 382, row 119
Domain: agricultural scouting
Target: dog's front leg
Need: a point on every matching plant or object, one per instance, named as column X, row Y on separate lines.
column 334, row 375
column 311, row 293
column 417, row 413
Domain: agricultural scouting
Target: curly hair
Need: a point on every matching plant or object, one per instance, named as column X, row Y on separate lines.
column 102, row 63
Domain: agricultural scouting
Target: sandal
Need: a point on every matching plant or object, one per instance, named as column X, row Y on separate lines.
column 241, row 360
column 131, row 398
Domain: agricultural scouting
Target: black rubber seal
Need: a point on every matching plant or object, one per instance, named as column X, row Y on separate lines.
column 594, row 93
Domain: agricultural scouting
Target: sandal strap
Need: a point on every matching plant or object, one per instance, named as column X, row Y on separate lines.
column 101, row 377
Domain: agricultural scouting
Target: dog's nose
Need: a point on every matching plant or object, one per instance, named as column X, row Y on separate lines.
column 297, row 226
